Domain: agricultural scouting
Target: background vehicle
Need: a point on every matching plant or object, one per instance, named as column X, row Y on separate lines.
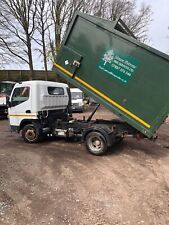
column 77, row 99
column 5, row 91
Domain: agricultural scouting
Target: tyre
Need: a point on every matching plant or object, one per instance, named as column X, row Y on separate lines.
column 31, row 133
column 96, row 143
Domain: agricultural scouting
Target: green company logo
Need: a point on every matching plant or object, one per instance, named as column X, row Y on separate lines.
column 119, row 65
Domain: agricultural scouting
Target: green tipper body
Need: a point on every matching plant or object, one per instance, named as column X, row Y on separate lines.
column 129, row 78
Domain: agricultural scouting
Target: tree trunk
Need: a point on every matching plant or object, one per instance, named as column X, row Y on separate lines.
column 57, row 37
column 44, row 56
column 30, row 58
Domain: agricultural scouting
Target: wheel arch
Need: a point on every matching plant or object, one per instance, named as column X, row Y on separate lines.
column 24, row 123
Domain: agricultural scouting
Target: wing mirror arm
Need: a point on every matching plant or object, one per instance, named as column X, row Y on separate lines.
column 9, row 104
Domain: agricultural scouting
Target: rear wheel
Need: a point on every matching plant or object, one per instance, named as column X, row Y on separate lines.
column 31, row 133
column 96, row 143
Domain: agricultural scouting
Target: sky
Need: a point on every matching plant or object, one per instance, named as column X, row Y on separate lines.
column 158, row 29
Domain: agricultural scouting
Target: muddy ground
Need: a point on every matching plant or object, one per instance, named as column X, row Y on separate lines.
column 58, row 182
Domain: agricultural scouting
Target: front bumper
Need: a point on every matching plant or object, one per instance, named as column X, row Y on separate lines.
column 77, row 108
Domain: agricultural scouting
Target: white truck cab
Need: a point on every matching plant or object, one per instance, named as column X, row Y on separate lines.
column 77, row 99
column 31, row 100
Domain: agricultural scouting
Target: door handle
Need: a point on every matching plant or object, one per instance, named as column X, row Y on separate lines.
column 28, row 111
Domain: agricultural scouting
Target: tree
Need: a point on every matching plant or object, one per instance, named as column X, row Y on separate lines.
column 43, row 24
column 18, row 24
column 62, row 12
column 26, row 22
column 136, row 20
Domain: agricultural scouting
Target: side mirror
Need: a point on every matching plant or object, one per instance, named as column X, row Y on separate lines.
column 9, row 104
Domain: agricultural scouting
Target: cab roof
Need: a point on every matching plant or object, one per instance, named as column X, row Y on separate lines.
column 75, row 90
column 41, row 83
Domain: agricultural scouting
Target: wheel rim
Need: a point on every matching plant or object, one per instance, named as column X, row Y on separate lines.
column 30, row 134
column 95, row 144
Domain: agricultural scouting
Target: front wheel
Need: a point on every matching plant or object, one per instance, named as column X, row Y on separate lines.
column 31, row 133
column 96, row 143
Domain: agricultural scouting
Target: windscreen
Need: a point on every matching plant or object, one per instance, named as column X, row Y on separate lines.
column 6, row 88
column 76, row 95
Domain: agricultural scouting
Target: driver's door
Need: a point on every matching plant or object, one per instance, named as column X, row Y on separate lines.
column 20, row 105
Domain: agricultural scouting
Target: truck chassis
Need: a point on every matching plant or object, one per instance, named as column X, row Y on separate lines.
column 98, row 135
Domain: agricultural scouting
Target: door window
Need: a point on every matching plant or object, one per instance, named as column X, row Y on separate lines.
column 20, row 95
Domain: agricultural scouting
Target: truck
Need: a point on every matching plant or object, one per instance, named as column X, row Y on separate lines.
column 5, row 91
column 106, row 61
column 77, row 99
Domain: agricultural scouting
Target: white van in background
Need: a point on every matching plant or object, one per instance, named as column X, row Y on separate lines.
column 77, row 98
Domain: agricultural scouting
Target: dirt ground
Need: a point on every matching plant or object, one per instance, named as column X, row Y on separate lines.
column 58, row 182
